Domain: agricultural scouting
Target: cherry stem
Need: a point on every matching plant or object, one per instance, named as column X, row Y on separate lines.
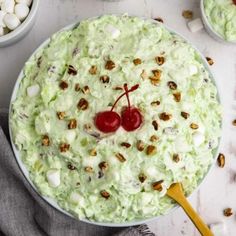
column 125, row 93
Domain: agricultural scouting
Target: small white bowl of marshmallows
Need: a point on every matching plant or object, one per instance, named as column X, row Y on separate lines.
column 16, row 19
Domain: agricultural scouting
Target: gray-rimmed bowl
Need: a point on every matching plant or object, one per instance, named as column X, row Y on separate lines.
column 215, row 35
column 22, row 29
column 53, row 202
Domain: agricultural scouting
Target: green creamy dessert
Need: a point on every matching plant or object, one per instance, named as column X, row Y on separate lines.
column 120, row 176
column 221, row 15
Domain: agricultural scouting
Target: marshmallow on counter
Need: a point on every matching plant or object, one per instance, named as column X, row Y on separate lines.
column 219, row 229
column 195, row 25
column 21, row 11
column 2, row 14
column 53, row 178
column 33, row 90
column 115, row 33
column 198, row 138
column 11, row 21
column 8, row 6
column 1, row 31
column 27, row 2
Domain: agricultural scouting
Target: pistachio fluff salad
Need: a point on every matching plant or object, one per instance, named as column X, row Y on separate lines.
column 221, row 14
column 109, row 114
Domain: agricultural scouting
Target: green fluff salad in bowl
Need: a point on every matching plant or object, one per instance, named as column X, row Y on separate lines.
column 219, row 17
column 108, row 160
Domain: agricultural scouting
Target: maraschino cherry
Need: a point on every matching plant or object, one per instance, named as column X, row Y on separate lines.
column 107, row 121
column 130, row 116
column 110, row 121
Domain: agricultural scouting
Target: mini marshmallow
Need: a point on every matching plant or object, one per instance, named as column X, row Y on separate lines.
column 21, row 11
column 70, row 136
column 152, row 171
column 201, row 128
column 146, row 198
column 193, row 70
column 181, row 145
column 219, row 229
column 195, row 25
column 198, row 138
column 11, row 21
column 33, row 90
column 115, row 33
column 2, row 14
column 8, row 6
column 77, row 198
column 27, row 2
column 1, row 31
column 53, row 178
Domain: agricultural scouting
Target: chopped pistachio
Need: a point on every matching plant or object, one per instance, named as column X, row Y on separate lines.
column 110, row 65
column 93, row 70
column 155, row 125
column 210, row 61
column 151, row 150
column 221, row 160
column 88, row 169
column 105, row 194
column 165, row 116
column 63, row 85
column 142, row 177
column 194, row 126
column 185, row 115
column 187, row 14
column 228, row 212
column 157, row 185
column 103, row 165
column 125, row 144
column 154, row 138
column 93, row 152
column 160, row 60
column 45, row 140
column 140, row 145
column 177, row 96
column 72, row 124
column 120, row 157
column 137, row 61
column 61, row 115
column 64, row 147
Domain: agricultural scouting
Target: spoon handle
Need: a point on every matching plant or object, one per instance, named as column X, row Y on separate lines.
column 195, row 218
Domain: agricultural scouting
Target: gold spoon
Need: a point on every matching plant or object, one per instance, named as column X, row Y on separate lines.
column 176, row 192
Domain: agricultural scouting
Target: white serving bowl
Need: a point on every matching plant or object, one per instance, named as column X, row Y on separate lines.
column 52, row 202
column 210, row 29
column 22, row 29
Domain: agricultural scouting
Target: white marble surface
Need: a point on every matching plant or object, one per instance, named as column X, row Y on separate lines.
column 219, row 188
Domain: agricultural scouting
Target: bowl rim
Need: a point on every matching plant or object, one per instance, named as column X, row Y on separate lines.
column 51, row 201
column 211, row 31
column 25, row 24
